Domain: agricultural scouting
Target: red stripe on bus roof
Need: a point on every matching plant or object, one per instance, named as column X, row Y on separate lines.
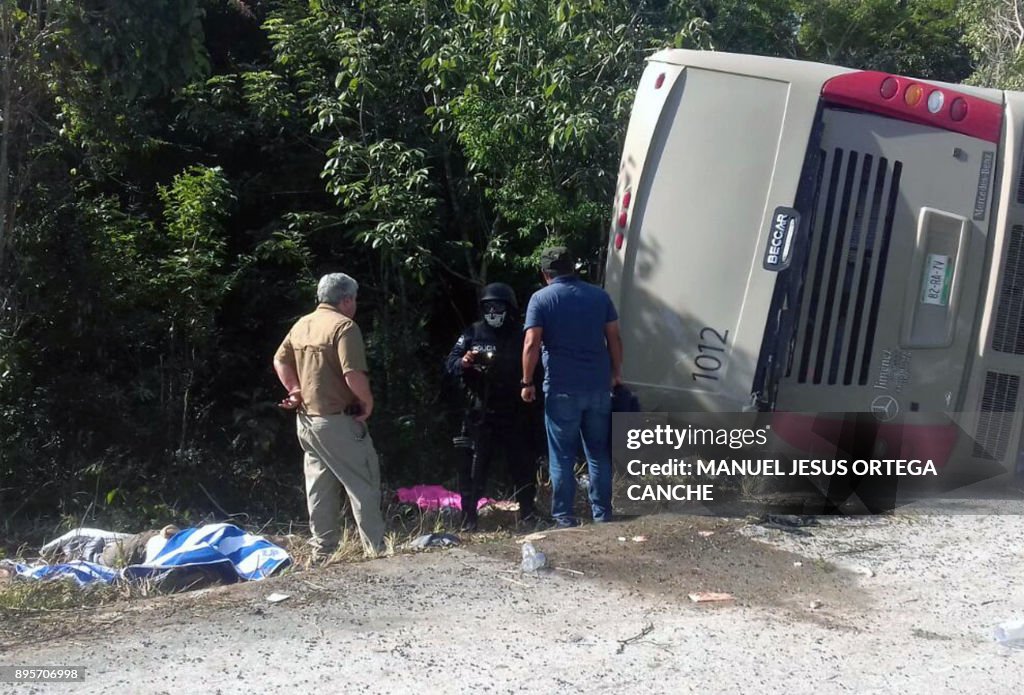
column 862, row 90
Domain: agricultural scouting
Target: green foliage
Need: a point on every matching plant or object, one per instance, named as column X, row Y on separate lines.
column 993, row 31
column 915, row 37
column 111, row 65
column 536, row 95
column 759, row 27
column 195, row 205
column 136, row 47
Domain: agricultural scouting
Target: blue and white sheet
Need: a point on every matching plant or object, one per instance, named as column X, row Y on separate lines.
column 81, row 571
column 224, row 549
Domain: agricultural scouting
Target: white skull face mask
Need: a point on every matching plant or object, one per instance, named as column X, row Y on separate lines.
column 494, row 314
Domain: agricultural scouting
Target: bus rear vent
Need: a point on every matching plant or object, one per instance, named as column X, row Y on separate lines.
column 1020, row 181
column 842, row 291
column 996, row 418
column 1008, row 335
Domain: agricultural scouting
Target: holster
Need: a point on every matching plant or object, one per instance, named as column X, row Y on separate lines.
column 464, row 440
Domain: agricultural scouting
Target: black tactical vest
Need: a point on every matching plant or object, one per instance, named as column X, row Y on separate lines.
column 499, row 381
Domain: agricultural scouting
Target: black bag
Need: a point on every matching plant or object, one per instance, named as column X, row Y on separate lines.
column 624, row 400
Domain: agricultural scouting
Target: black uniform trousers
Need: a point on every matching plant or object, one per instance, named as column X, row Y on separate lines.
column 497, row 433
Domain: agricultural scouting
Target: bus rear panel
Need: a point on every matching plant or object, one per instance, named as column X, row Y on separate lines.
column 809, row 238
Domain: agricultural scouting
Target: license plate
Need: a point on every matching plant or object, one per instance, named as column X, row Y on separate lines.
column 938, row 276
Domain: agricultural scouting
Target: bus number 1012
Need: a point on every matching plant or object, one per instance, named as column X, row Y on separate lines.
column 711, row 349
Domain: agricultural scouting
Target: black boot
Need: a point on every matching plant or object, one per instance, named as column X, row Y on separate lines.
column 469, row 518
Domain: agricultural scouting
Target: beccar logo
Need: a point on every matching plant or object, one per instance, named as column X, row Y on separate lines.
column 785, row 223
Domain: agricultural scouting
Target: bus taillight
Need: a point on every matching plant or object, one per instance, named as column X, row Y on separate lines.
column 958, row 109
column 876, row 92
column 913, row 94
column 623, row 219
column 889, row 87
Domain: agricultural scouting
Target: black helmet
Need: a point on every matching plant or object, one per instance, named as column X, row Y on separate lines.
column 500, row 292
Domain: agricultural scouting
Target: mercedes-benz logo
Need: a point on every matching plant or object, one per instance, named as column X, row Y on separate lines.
column 885, row 408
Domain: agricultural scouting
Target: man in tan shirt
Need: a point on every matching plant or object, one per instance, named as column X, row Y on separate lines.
column 322, row 364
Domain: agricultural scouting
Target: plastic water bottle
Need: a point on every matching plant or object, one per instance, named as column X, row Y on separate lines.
column 1011, row 634
column 533, row 559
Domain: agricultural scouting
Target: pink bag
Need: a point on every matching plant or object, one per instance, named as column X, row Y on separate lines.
column 435, row 497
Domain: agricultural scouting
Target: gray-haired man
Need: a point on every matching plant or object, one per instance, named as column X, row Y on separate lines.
column 322, row 364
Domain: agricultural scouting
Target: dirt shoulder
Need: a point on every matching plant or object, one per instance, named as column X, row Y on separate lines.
column 909, row 609
column 667, row 557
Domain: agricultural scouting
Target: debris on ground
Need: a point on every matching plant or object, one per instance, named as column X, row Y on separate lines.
column 640, row 539
column 434, row 540
column 1011, row 634
column 857, row 569
column 705, row 534
column 815, row 605
column 566, row 569
column 647, row 629
column 277, row 598
column 929, row 635
column 789, row 523
column 505, row 505
column 533, row 559
column 533, row 537
column 710, row 597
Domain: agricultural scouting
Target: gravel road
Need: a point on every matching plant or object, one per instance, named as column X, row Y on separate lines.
column 903, row 604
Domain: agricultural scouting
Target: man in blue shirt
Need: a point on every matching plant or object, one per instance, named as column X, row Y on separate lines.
column 577, row 326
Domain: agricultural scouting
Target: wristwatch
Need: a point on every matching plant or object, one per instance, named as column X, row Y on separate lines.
column 525, row 385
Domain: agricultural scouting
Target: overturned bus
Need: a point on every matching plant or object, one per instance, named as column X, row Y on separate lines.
column 800, row 237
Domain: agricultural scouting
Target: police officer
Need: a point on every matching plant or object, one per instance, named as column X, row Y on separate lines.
column 487, row 359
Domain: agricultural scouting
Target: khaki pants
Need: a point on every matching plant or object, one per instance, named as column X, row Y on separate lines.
column 339, row 452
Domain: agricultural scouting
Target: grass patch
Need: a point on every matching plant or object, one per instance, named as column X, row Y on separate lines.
column 42, row 596
column 33, row 596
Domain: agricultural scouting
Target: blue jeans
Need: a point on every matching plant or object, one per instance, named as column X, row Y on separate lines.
column 567, row 418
